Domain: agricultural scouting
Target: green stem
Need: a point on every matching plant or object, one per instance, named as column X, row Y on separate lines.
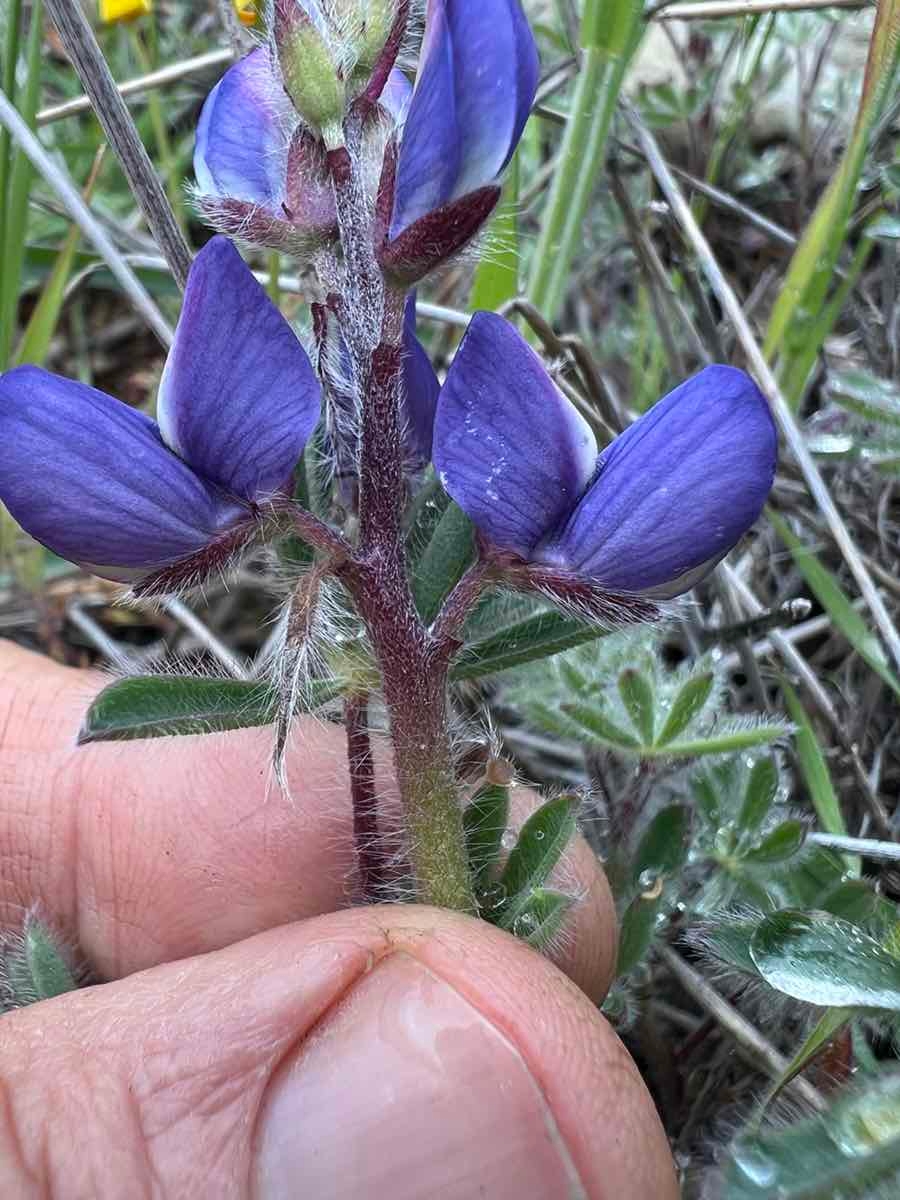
column 16, row 223
column 603, row 67
column 8, row 83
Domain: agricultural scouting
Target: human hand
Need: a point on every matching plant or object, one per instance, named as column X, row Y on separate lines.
column 401, row 1052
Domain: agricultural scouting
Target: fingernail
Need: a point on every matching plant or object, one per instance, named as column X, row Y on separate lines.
column 406, row 1091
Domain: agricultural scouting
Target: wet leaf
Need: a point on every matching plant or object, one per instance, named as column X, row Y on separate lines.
column 779, row 844
column 663, row 847
column 443, row 563
column 542, row 841
column 759, row 795
column 595, row 721
column 687, row 704
column 542, row 918
column 824, row 960
column 484, row 821
column 637, row 696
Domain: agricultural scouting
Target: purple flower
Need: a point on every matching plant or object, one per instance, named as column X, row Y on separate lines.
column 650, row 515
column 101, row 484
column 476, row 82
column 262, row 174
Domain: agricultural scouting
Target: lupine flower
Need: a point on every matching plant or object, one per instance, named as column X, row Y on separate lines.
column 420, row 389
column 103, row 485
column 261, row 173
column 477, row 77
column 650, row 515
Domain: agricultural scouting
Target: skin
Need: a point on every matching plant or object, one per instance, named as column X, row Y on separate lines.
column 241, row 993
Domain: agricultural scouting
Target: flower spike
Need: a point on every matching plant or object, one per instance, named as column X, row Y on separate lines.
column 103, row 485
column 650, row 516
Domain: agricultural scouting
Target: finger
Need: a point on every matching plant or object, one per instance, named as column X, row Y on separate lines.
column 151, row 851
column 399, row 1052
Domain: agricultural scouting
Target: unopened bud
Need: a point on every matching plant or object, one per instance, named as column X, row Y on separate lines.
column 310, row 75
column 376, row 22
column 112, row 11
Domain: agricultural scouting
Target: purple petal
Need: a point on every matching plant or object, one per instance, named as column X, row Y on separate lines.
column 677, row 490
column 91, row 479
column 430, row 153
column 238, row 398
column 243, row 135
column 421, row 390
column 508, row 447
column 476, row 83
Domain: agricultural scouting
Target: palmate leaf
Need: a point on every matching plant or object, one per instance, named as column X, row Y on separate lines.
column 172, row 705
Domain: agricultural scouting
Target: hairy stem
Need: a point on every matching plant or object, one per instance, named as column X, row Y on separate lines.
column 362, row 790
column 414, row 676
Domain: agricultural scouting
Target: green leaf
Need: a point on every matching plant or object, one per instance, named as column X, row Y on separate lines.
column 19, row 188
column 815, row 772
column 685, row 707
column 850, row 1151
column 726, row 742
column 759, row 796
column 600, row 726
column 33, row 966
column 484, row 820
column 831, row 1020
column 836, row 603
column 707, row 799
column 823, row 960
column 442, row 565
column 640, row 923
column 542, row 840
column 170, row 705
column 812, row 268
column 637, row 696
column 526, row 641
column 663, row 847
column 782, row 843
column 542, row 918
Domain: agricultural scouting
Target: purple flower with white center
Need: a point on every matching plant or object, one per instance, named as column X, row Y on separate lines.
column 477, row 77
column 261, row 173
column 103, row 485
column 649, row 516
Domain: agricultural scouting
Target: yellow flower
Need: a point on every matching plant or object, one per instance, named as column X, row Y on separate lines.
column 123, row 10
column 246, row 11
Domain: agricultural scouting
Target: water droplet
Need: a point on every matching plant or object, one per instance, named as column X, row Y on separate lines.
column 647, row 880
column 539, row 835
column 492, row 897
column 508, row 840
column 755, row 1165
column 525, row 925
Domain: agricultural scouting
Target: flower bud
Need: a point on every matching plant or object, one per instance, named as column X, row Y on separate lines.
column 112, row 11
column 310, row 74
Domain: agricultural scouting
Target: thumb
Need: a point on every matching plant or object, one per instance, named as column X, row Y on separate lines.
column 378, row 1052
